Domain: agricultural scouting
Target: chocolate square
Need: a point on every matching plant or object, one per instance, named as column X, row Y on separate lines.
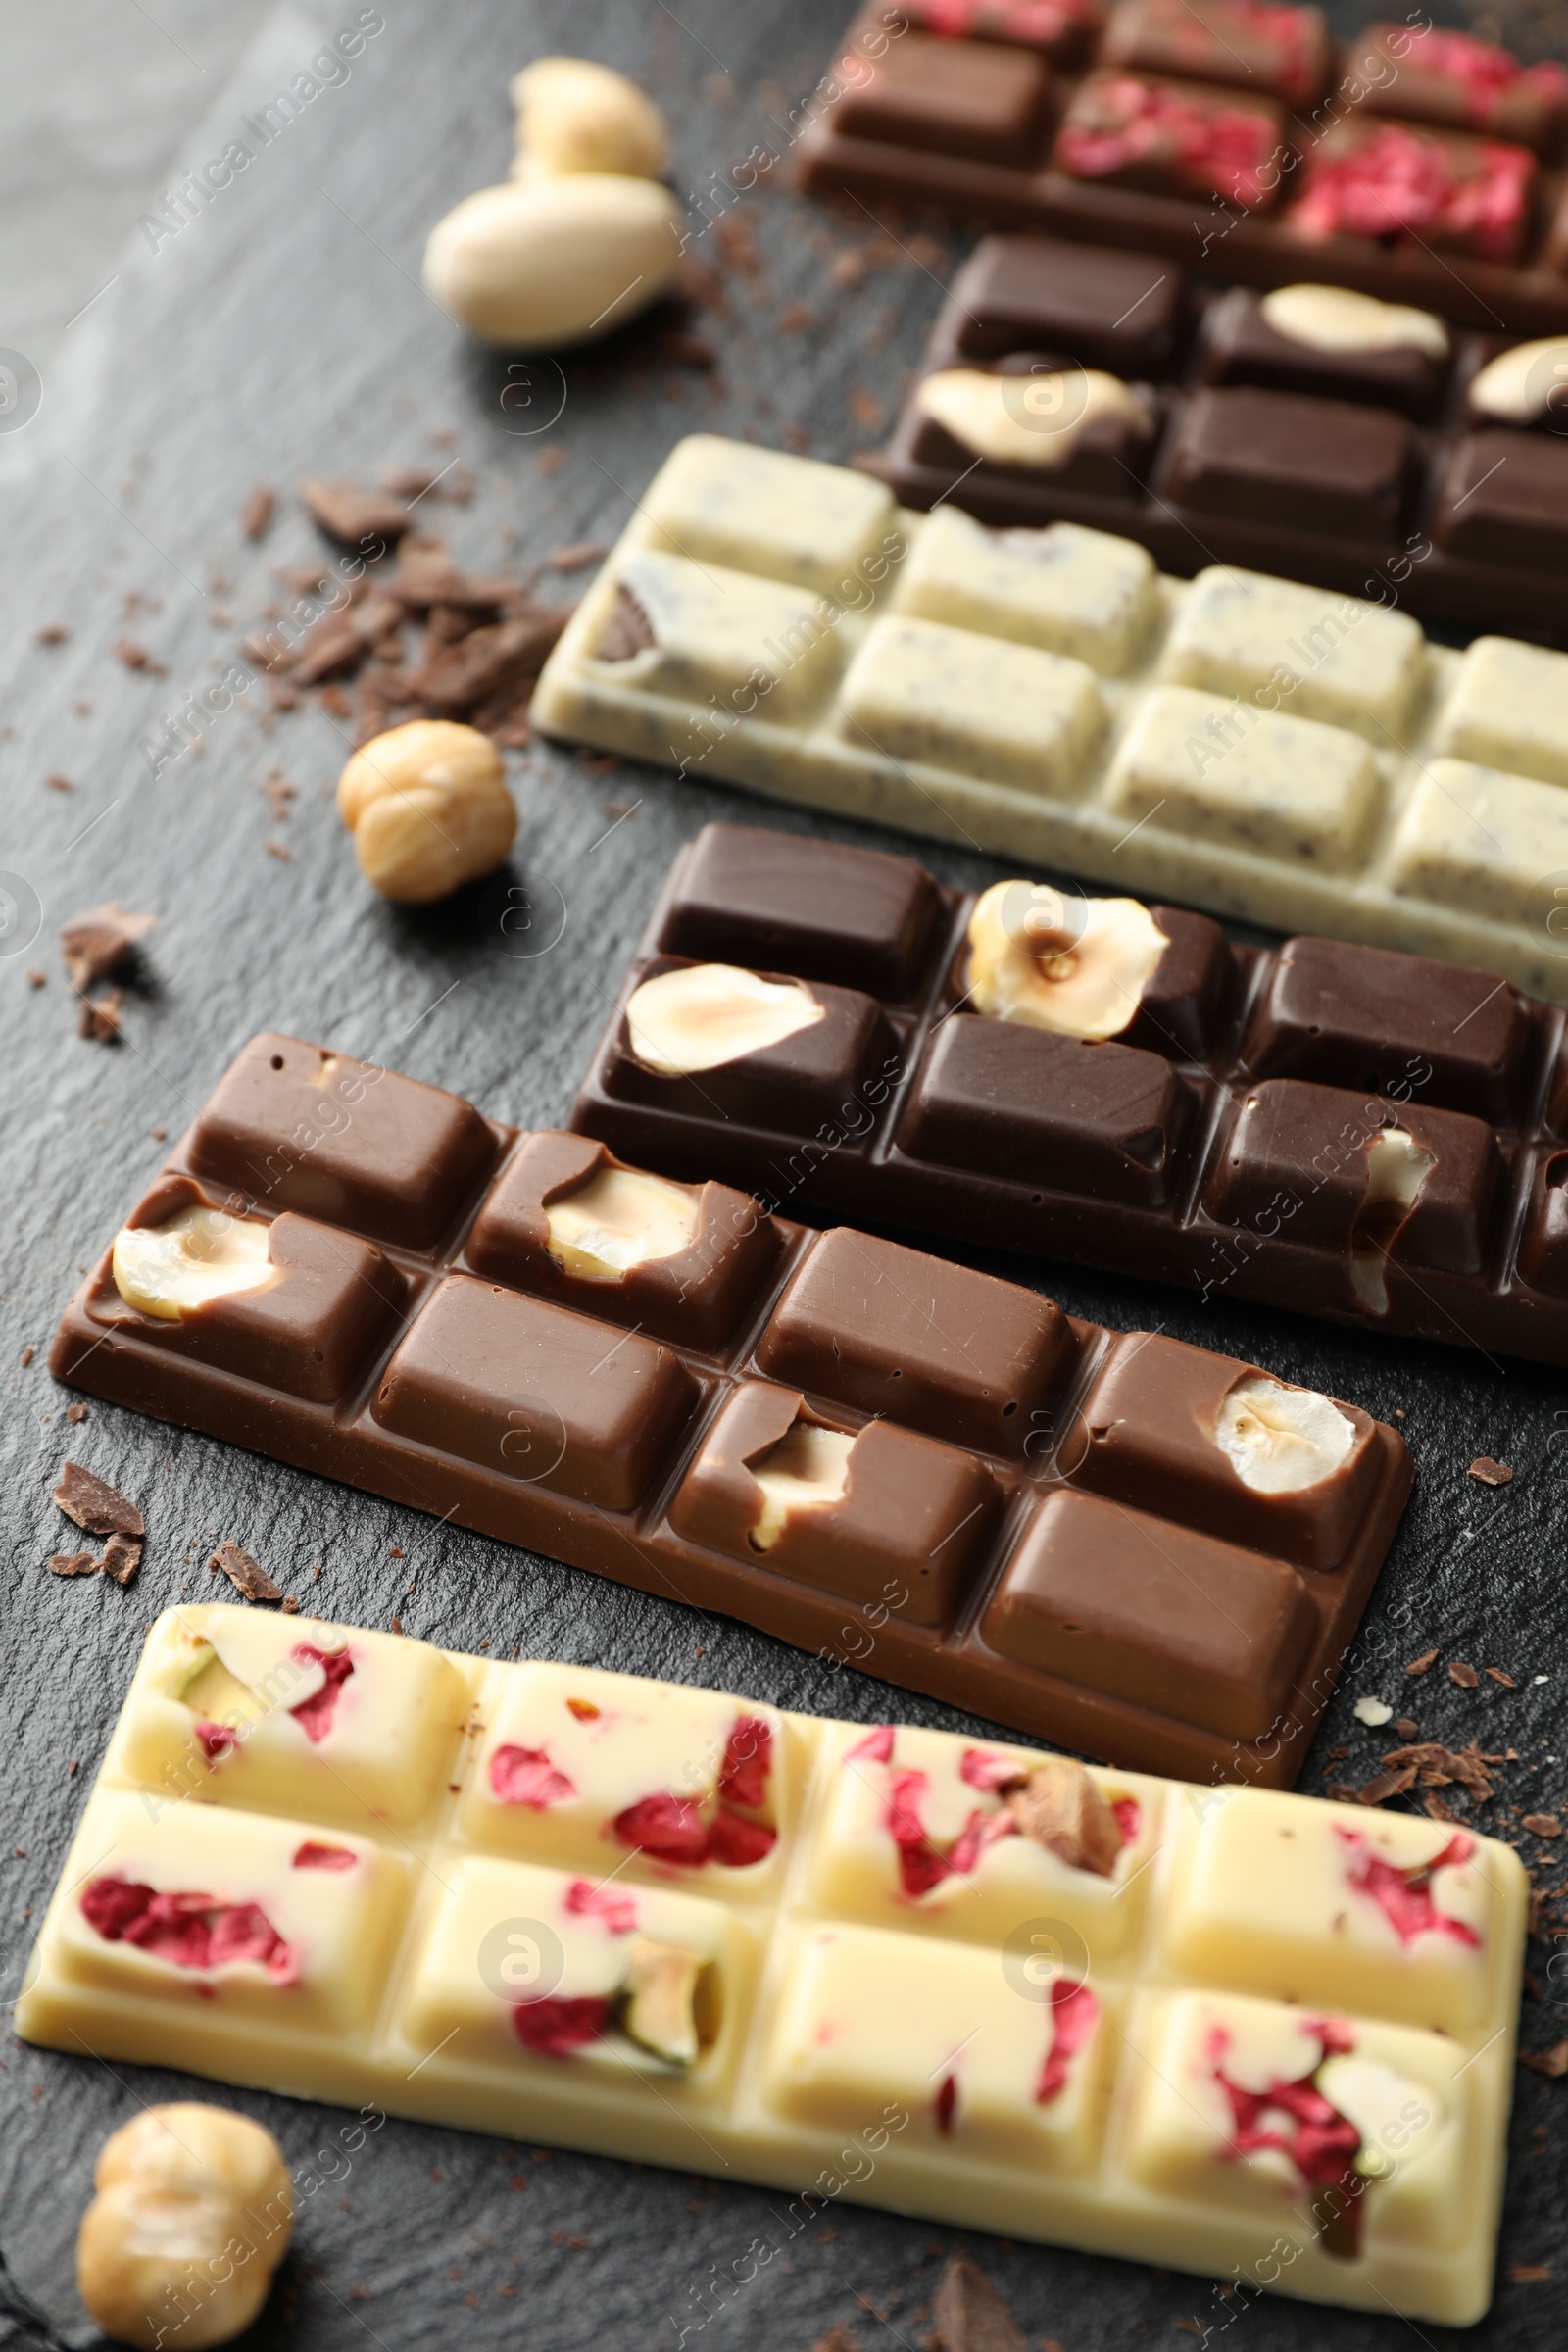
column 695, row 1298
column 1402, row 183
column 1108, row 1121
column 1371, row 1019
column 1063, row 28
column 1144, row 1436
column 957, row 98
column 1543, row 1244
column 1503, row 499
column 331, row 1302
column 1100, row 456
column 1285, row 458
column 1186, row 992
column 1295, row 1164
column 1434, row 75
column 799, row 1082
column 1117, row 311
column 914, row 1520
column 1241, row 347
column 294, row 1126
column 859, row 918
column 917, row 1340
column 533, row 1392
column 1152, row 1615
column 1172, row 138
column 1282, row 50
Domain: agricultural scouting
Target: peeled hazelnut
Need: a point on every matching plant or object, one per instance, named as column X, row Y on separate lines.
column 428, row 808
column 1335, row 318
column 618, row 1219
column 706, row 1015
column 1524, row 384
column 1031, row 420
column 1279, row 1440
column 1075, row 965
column 808, row 1469
column 191, row 2219
column 195, row 1256
column 1061, row 1807
column 661, row 1999
column 538, row 265
column 576, row 115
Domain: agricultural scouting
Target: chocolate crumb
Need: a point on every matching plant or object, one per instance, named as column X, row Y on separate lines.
column 1491, row 1473
column 121, row 1557
column 396, row 1623
column 72, row 1563
column 1506, row 1680
column 578, row 556
column 291, row 1607
column 1407, row 1728
column 1383, row 1785
column 1530, row 2273
column 247, row 1576
column 60, row 784
column 37, row 979
column 160, row 1135
column 1465, row 1676
column 280, row 850
column 96, row 1506
column 98, row 1018
column 1424, row 1663
column 971, row 2315
column 1552, row 2062
column 395, row 1551
column 1437, row 1808
column 1542, row 1825
column 28, row 1354
column 866, row 410
column 256, row 515
column 135, row 656
column 53, row 632
column 354, row 516
column 71, row 1766
column 100, row 941
column 76, row 1413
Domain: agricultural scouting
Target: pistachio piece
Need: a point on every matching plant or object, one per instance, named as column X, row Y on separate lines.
column 193, row 1257
column 659, row 1992
column 1076, row 965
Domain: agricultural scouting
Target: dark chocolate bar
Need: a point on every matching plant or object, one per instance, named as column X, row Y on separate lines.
column 846, row 1442
column 1410, row 163
column 1309, row 429
column 1347, row 1131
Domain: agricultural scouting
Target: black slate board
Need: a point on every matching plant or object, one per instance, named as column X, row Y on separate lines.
column 285, row 332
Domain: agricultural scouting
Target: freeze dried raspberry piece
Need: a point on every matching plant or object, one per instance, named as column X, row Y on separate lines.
column 1172, row 138
column 666, row 1828
column 1406, row 1897
column 188, row 1930
column 748, row 1761
column 314, row 1714
column 1387, row 181
column 1452, row 77
column 1075, row 2013
column 1053, row 25
column 617, row 1911
column 557, row 2025
column 314, row 1855
column 525, row 1776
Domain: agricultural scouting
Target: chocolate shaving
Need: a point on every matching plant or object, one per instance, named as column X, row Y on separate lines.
column 1491, row 1473
column 1465, row 1676
column 1424, row 1663
column 1542, row 1825
column 1059, row 1807
column 1442, row 1767
column 427, row 575
column 246, row 1574
column 1506, row 1680
column 1552, row 2062
column 73, row 1563
column 354, row 516
column 96, row 1506
column 1530, row 2273
column 486, row 660
column 98, row 1017
column 578, row 556
column 256, row 515
column 121, row 1557
column 1383, row 1785
column 99, row 942
column 627, row 631
column 969, row 2313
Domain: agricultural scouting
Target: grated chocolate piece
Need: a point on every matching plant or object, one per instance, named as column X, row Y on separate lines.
column 578, row 556
column 96, row 1506
column 1491, row 1473
column 135, row 656
column 1424, row 1663
column 99, row 942
column 246, row 1574
column 99, row 1017
column 488, row 660
column 427, row 575
column 1464, row 1676
column 354, row 516
column 1383, row 1785
column 1553, row 2061
column 73, row 1563
column 969, row 2313
column 1542, row 1825
column 121, row 1557
column 256, row 515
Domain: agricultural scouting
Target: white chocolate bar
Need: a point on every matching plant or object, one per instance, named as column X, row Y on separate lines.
column 1248, row 2035
column 1286, row 755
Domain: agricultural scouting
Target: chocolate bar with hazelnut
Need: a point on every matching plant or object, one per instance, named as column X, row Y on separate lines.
column 989, row 1987
column 1370, row 1137
column 1414, row 164
column 854, row 1446
column 1360, row 444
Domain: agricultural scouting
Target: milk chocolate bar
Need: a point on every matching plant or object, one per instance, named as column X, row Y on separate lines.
column 1344, row 440
column 1302, row 759
column 859, row 1448
column 1417, row 165
column 1254, row 2035
column 1356, row 1134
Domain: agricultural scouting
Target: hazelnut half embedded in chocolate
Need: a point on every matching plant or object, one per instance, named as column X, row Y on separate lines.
column 1396, row 1167
column 1059, row 1807
column 620, row 1218
column 197, row 1255
column 1336, row 318
column 706, row 1015
column 659, row 2011
column 1076, row 965
column 1279, row 1440
column 1034, row 421
column 808, row 1469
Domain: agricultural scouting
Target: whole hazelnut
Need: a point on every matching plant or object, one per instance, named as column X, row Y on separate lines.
column 539, row 265
column 192, row 2217
column 428, row 808
column 576, row 115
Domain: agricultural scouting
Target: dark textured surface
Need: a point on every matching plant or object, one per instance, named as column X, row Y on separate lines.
column 284, row 333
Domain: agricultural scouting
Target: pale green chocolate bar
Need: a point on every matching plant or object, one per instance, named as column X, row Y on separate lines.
column 1286, row 755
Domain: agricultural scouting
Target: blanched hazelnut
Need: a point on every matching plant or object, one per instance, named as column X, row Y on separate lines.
column 1075, row 965
column 1524, row 384
column 544, row 264
column 192, row 2217
column 194, row 1257
column 706, row 1015
column 618, row 1219
column 1279, row 1440
column 577, row 115
column 428, row 808
column 1032, row 420
column 1336, row 318
column 808, row 1469
column 660, row 2012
